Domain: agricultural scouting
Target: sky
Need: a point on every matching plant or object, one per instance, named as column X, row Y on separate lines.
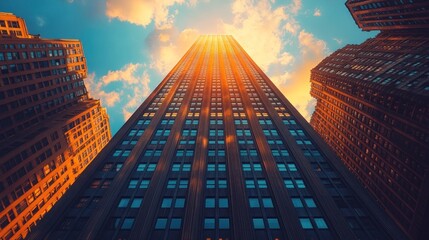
column 130, row 45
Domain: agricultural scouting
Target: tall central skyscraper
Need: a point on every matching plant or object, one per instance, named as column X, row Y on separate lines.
column 216, row 152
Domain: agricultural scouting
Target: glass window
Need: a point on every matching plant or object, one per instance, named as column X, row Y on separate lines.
column 320, row 223
column 133, row 184
column 123, row 203
column 223, row 202
column 310, row 202
column 222, row 183
column 137, row 202
column 300, row 183
column 141, row 167
column 210, row 202
column 250, row 184
column 267, row 202
column 171, row 184
column 297, row 203
column 305, row 223
column 288, row 183
column 166, row 203
column 254, row 203
column 209, row 223
column 176, row 223
column 144, row 184
column 262, row 183
column 223, row 223
column 183, row 184
column 258, row 223
column 127, row 224
column 179, row 203
column 273, row 223
column 292, row 167
column 210, row 183
column 161, row 223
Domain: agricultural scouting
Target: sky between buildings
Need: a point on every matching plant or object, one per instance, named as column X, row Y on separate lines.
column 130, row 45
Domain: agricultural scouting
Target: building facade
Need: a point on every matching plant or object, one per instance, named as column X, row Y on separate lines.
column 216, row 152
column 373, row 110
column 389, row 15
column 50, row 129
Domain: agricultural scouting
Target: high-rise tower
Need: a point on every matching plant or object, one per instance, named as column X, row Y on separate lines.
column 373, row 108
column 389, row 15
column 49, row 129
column 216, row 152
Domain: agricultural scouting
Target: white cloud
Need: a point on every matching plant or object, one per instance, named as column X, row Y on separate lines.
column 40, row 21
column 134, row 80
column 337, row 40
column 143, row 12
column 317, row 12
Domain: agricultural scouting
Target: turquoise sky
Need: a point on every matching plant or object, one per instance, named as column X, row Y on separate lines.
column 130, row 45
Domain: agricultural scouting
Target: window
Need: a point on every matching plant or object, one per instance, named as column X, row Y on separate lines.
column 320, row 223
column 166, row 203
column 258, row 223
column 123, row 203
column 133, row 183
column 209, row 223
column 210, row 203
column 273, row 223
column 223, row 223
column 137, row 202
column 127, row 224
column 176, row 223
column 305, row 223
column 254, row 203
column 179, row 203
column 144, row 184
column 161, row 223
column 223, row 202
column 300, row 183
column 267, row 202
column 297, row 203
column 183, row 184
column 310, row 202
column 171, row 184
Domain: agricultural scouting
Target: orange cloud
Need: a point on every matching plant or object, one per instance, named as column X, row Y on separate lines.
column 144, row 12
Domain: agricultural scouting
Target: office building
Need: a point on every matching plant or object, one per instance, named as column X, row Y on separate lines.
column 390, row 15
column 373, row 110
column 50, row 129
column 216, row 152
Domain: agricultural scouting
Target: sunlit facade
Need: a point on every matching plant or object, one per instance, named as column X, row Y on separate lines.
column 373, row 110
column 216, row 152
column 50, row 129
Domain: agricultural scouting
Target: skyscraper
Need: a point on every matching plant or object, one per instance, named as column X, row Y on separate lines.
column 389, row 15
column 216, row 152
column 373, row 110
column 50, row 130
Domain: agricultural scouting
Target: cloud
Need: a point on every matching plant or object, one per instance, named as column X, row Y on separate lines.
column 133, row 80
column 337, row 40
column 296, row 85
column 165, row 54
column 143, row 12
column 317, row 12
column 259, row 18
column 40, row 21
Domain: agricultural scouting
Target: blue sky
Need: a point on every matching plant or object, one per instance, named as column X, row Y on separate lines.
column 131, row 45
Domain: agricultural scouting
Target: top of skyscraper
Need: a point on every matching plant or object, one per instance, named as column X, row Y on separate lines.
column 390, row 15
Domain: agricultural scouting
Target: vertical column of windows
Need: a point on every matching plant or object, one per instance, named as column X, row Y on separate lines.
column 309, row 215
column 217, row 222
column 169, row 220
column 263, row 213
